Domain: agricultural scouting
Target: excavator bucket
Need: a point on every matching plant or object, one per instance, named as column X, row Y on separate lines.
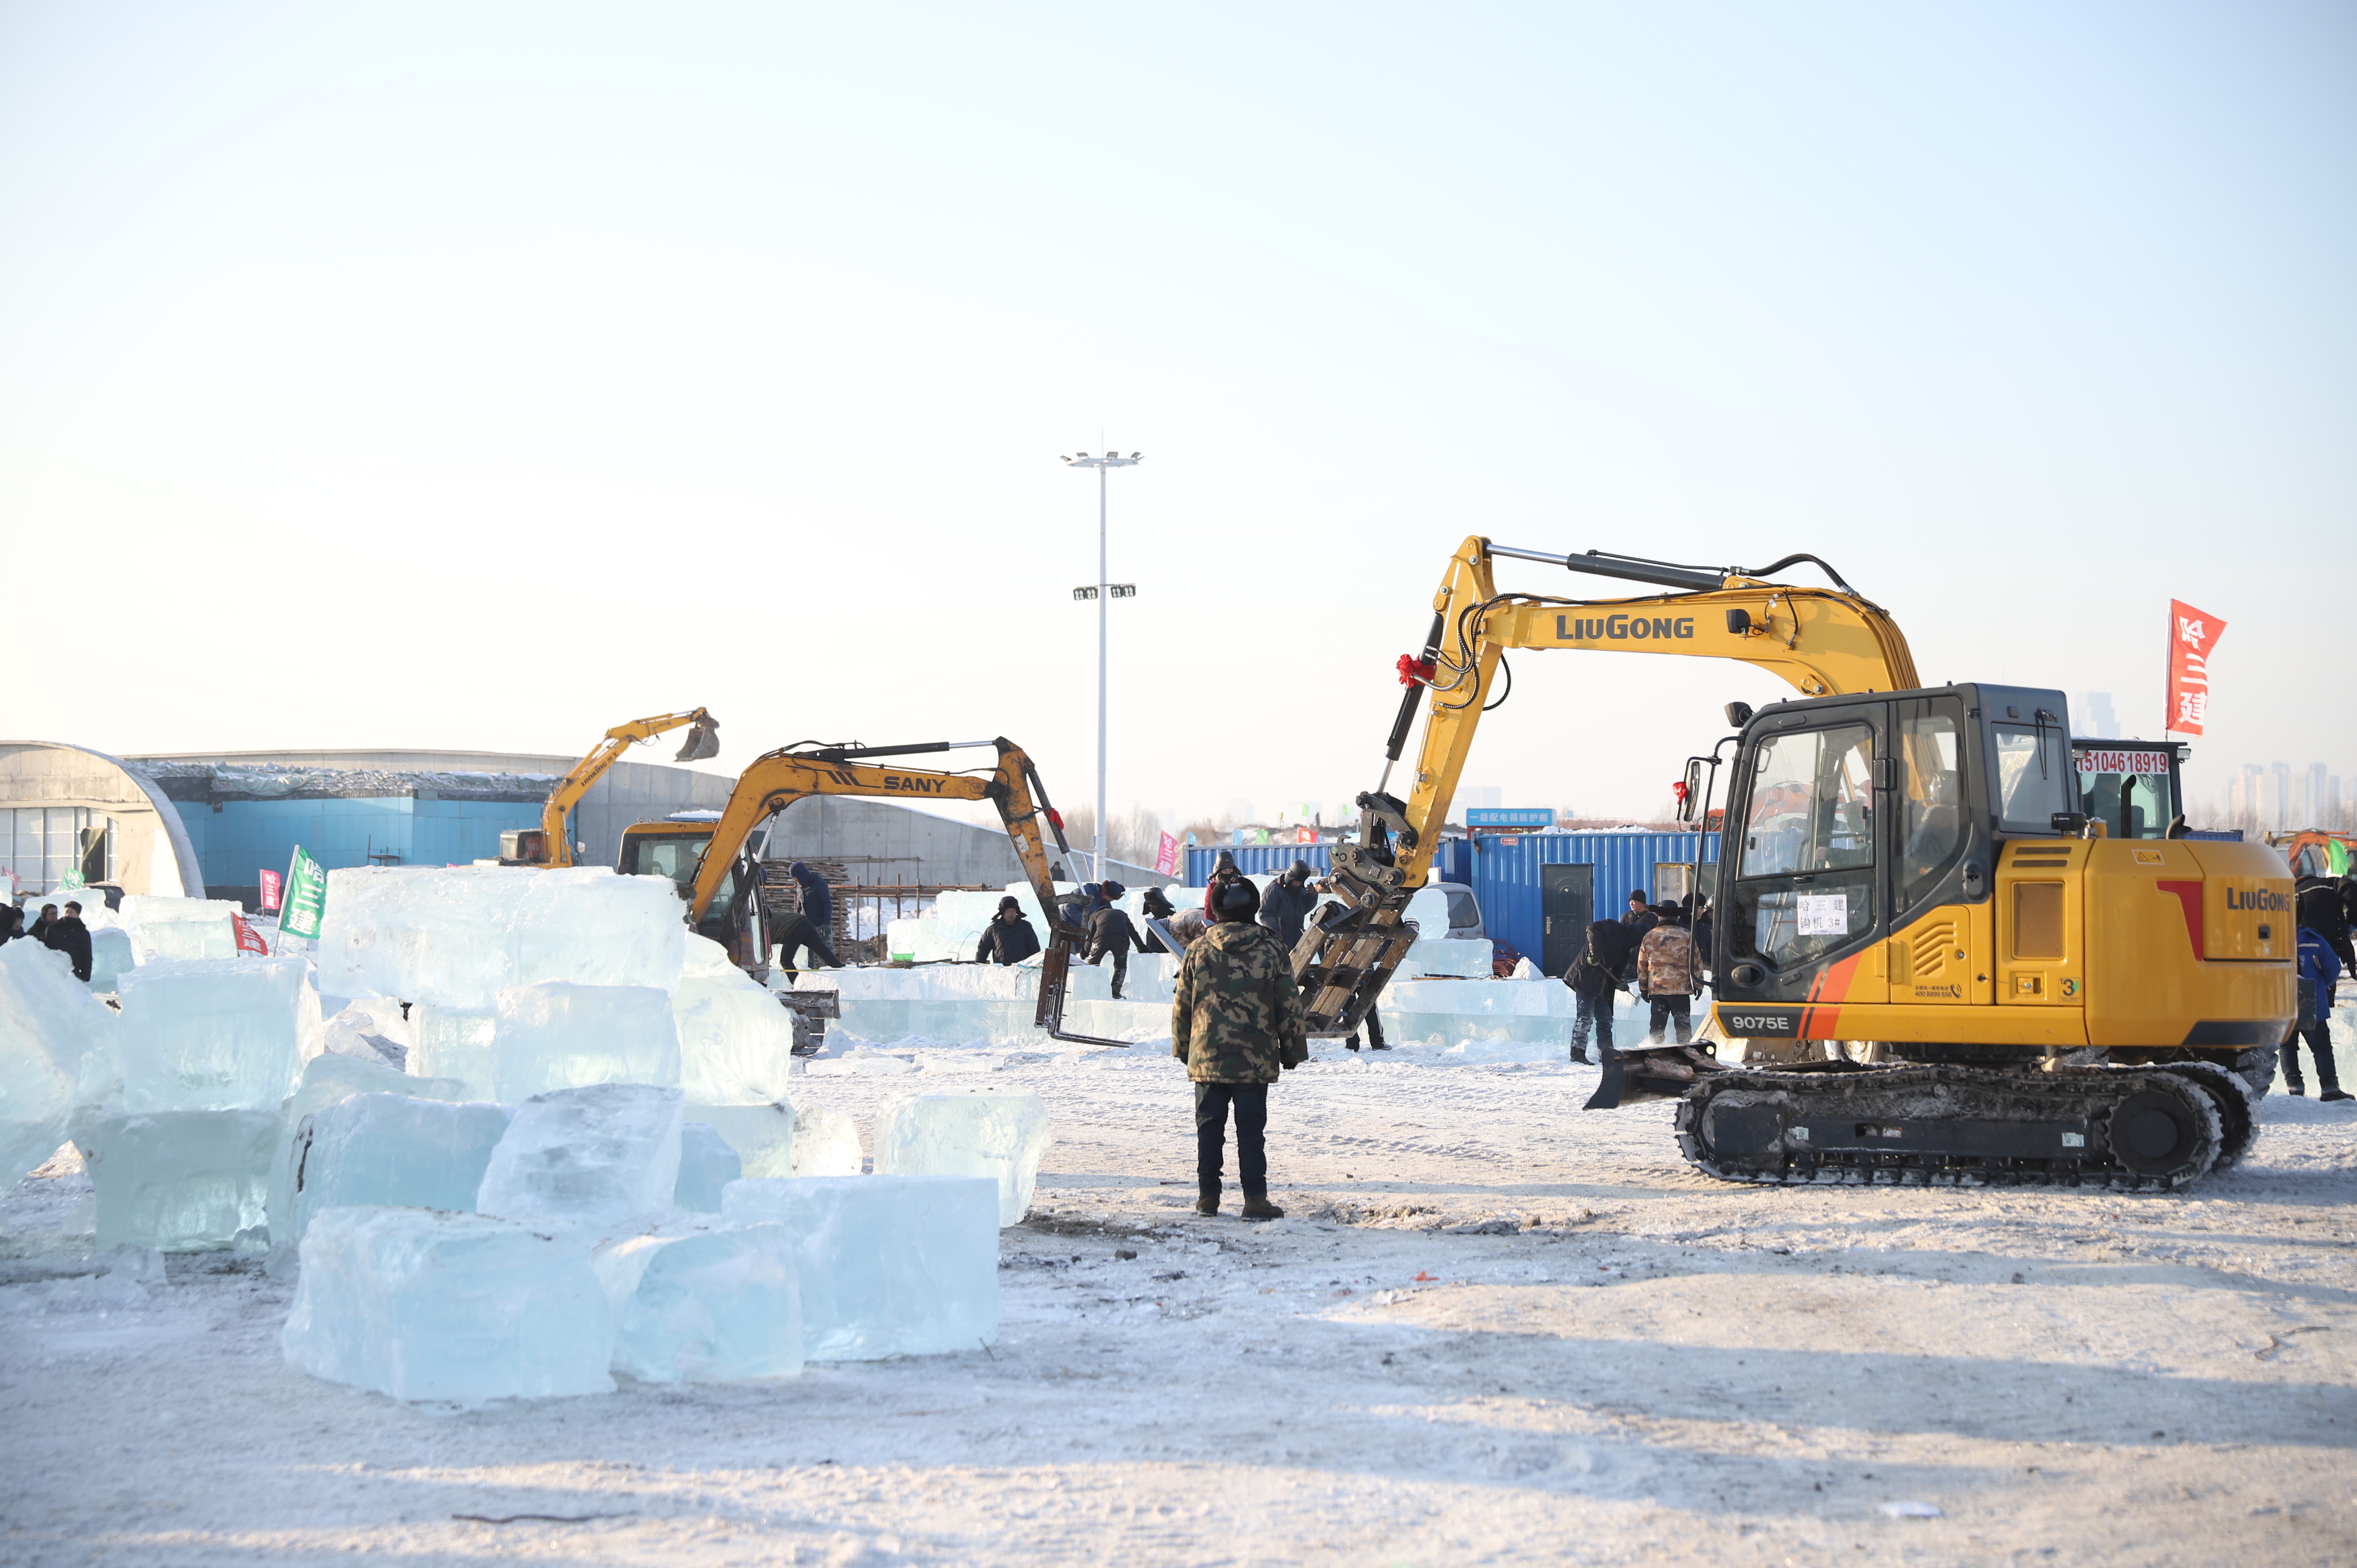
column 1055, row 979
column 703, row 741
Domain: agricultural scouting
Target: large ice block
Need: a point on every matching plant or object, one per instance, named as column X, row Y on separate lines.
column 826, row 1143
column 396, row 1150
column 455, row 1042
column 735, row 1039
column 179, row 1181
column 166, row 929
column 890, row 1265
column 326, row 1079
column 213, row 1034
column 111, row 958
column 983, row 1134
column 556, row 1034
column 706, row 1166
column 458, row 936
column 587, row 1155
column 420, row 1304
column 714, row 1306
column 50, row 1023
column 764, row 1136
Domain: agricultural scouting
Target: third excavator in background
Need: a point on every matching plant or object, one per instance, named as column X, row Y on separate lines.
column 551, row 844
column 712, row 864
column 1928, row 964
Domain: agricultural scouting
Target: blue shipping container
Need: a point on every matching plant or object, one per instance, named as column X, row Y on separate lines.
column 1450, row 864
column 1506, row 877
column 238, row 840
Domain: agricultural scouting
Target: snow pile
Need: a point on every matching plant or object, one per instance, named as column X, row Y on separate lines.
column 985, row 1134
column 48, row 1022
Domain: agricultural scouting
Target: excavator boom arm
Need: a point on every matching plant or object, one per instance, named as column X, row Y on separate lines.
column 702, row 742
column 1823, row 641
column 777, row 781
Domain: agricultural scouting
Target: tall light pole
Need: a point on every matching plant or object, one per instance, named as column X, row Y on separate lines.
column 1104, row 595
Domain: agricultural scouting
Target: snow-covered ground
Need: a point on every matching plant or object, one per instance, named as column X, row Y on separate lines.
column 1494, row 1329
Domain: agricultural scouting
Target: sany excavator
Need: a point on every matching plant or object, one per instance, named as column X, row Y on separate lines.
column 710, row 860
column 1930, row 964
column 550, row 844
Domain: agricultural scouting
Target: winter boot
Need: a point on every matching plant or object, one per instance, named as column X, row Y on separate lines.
column 2332, row 1092
column 1262, row 1209
column 1207, row 1203
column 1352, row 1042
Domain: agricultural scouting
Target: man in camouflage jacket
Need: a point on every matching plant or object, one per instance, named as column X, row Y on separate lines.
column 1236, row 1022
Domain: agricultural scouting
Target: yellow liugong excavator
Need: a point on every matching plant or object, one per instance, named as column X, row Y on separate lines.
column 709, row 860
column 1928, row 965
column 550, row 844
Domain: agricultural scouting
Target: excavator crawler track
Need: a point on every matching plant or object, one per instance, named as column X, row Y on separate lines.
column 2121, row 1128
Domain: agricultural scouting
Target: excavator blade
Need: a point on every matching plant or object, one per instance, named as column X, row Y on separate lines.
column 1664, row 1073
column 1055, row 975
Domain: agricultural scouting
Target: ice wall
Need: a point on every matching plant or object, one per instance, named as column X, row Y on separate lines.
column 49, row 1024
column 166, row 928
column 458, row 936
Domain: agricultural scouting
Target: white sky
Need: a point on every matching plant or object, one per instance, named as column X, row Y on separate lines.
column 480, row 376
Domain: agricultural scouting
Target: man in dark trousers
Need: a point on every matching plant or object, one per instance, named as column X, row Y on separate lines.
column 1666, row 974
column 1287, row 905
column 808, row 929
column 1595, row 978
column 2320, row 972
column 1112, row 932
column 1236, row 1022
column 1008, row 939
column 69, row 935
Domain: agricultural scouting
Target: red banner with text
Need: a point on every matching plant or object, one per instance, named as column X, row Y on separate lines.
column 2192, row 636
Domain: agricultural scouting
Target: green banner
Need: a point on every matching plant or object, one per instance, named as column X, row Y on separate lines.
column 304, row 901
column 2336, row 857
column 72, row 882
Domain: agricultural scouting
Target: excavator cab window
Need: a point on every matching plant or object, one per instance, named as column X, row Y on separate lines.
column 2033, row 775
column 1805, row 879
column 2130, row 790
column 1932, row 801
column 676, row 855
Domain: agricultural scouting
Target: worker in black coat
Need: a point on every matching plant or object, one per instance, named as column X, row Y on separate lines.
column 1112, row 932
column 1157, row 907
column 1223, row 871
column 1285, row 905
column 808, row 930
column 818, row 902
column 1008, row 939
column 1599, row 971
column 39, row 930
column 12, row 923
column 69, row 935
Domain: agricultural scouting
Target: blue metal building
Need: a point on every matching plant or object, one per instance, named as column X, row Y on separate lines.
column 237, row 839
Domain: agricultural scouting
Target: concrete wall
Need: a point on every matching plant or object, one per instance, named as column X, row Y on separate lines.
column 152, row 851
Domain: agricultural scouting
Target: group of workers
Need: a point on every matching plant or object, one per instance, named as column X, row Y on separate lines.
column 59, row 932
column 1657, row 951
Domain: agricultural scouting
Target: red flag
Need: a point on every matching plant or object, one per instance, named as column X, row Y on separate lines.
column 270, row 892
column 1165, row 857
column 2192, row 636
column 248, row 938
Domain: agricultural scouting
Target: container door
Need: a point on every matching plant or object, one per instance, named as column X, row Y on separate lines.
column 1567, row 903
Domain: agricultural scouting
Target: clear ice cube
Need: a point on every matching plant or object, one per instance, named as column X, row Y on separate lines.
column 392, row 1150
column 213, row 1034
column 556, row 1034
column 890, row 1265
column 420, row 1304
column 163, row 928
column 457, row 1043
column 326, row 1079
column 736, row 1041
column 49, row 1027
column 980, row 1133
column 180, row 1181
column 584, row 1156
column 111, row 958
column 707, row 1164
column 763, row 1135
column 714, row 1306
